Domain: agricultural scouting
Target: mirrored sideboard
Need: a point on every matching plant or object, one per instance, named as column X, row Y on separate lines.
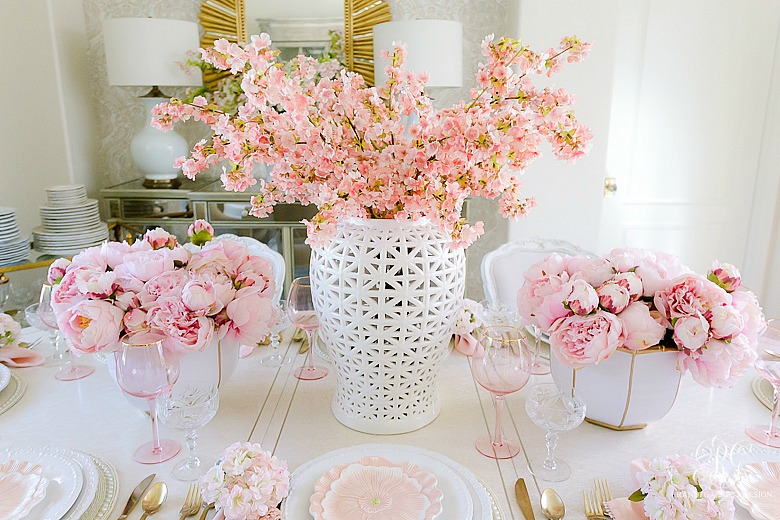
column 134, row 209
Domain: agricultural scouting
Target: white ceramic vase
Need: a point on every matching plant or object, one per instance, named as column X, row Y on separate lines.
column 387, row 293
column 628, row 390
column 214, row 364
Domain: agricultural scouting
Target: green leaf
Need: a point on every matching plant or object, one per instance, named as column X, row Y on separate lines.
column 637, row 496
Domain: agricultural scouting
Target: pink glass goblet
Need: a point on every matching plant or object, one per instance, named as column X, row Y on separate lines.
column 70, row 371
column 503, row 368
column 300, row 309
column 768, row 365
column 144, row 369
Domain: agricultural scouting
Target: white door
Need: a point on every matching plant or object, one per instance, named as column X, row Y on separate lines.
column 684, row 112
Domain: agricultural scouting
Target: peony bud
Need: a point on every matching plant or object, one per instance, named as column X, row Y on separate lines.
column 725, row 275
column 200, row 232
column 614, row 297
column 582, row 298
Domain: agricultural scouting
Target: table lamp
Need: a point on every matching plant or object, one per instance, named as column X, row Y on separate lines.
column 149, row 52
column 433, row 45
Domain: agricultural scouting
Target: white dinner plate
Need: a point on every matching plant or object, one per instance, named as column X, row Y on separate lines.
column 5, row 377
column 65, row 479
column 464, row 497
column 88, row 490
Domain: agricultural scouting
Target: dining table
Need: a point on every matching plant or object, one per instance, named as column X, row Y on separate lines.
column 293, row 419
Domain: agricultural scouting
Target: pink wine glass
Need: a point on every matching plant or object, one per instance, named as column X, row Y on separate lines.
column 143, row 369
column 300, row 309
column 503, row 368
column 768, row 365
column 70, row 371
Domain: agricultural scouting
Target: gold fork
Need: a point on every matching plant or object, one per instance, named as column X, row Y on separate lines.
column 594, row 500
column 192, row 502
column 206, row 510
column 603, row 493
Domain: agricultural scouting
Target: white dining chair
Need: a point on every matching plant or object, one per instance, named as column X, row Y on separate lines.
column 260, row 249
column 502, row 269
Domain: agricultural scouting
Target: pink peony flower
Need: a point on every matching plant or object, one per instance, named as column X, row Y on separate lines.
column 580, row 340
column 91, row 325
column 613, row 297
column 90, row 258
column 654, row 268
column 114, row 253
column 250, row 315
column 184, row 331
column 164, row 285
column 199, row 296
column 595, row 271
column 200, row 232
column 641, row 329
column 57, row 270
column 720, row 363
column 158, row 238
column 689, row 295
column 632, row 282
column 547, row 290
column 747, row 304
column 146, row 264
column 725, row 321
column 725, row 275
column 580, row 297
column 135, row 320
column 691, row 332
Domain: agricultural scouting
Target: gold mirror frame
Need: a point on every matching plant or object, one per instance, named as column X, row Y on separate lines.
column 227, row 19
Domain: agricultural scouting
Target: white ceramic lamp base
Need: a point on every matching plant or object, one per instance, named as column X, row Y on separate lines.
column 154, row 151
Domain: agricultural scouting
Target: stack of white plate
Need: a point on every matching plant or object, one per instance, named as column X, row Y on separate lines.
column 464, row 496
column 80, row 485
column 14, row 247
column 70, row 222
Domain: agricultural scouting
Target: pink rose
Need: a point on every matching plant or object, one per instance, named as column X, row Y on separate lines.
column 91, row 325
column 581, row 340
column 57, row 270
column 725, row 321
column 689, row 295
column 613, row 297
column 720, row 363
column 200, row 232
column 691, row 332
column 747, row 304
column 158, row 238
column 641, row 329
column 200, row 297
column 595, row 271
column 165, row 285
column 580, row 297
column 632, row 282
column 146, row 264
column 114, row 253
column 725, row 276
column 250, row 317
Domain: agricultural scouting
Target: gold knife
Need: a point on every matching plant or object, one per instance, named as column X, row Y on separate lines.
column 136, row 495
column 521, row 492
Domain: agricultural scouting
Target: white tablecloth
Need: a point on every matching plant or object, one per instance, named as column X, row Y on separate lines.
column 293, row 419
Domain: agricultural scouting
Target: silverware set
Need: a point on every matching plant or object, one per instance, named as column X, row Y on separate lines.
column 594, row 500
column 155, row 495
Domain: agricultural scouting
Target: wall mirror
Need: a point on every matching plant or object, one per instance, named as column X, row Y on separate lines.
column 298, row 27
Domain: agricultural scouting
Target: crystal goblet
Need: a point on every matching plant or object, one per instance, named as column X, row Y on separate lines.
column 275, row 358
column 768, row 365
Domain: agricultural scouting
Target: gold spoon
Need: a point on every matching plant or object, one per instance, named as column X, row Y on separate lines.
column 154, row 499
column 552, row 505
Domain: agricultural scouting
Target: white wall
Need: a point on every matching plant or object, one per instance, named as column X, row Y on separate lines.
column 45, row 131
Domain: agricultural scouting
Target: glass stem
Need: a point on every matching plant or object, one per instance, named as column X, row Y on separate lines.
column 498, row 439
column 552, row 443
column 155, row 434
column 310, row 335
column 773, row 424
column 275, row 344
column 537, row 346
column 191, row 438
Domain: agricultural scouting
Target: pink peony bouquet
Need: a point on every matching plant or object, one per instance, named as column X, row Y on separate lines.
column 680, row 488
column 635, row 299
column 189, row 293
column 247, row 483
column 383, row 152
column 10, row 331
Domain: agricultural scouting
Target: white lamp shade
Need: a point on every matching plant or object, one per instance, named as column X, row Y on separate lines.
column 435, row 46
column 149, row 51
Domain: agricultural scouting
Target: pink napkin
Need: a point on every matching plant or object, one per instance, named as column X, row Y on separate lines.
column 624, row 509
column 20, row 357
column 468, row 345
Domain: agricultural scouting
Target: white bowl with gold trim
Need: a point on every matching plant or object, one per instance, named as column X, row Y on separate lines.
column 628, row 390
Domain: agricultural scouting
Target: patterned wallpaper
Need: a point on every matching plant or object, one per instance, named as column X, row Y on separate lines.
column 121, row 115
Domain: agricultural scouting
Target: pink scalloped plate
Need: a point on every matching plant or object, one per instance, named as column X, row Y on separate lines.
column 757, row 489
column 22, row 487
column 374, row 488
